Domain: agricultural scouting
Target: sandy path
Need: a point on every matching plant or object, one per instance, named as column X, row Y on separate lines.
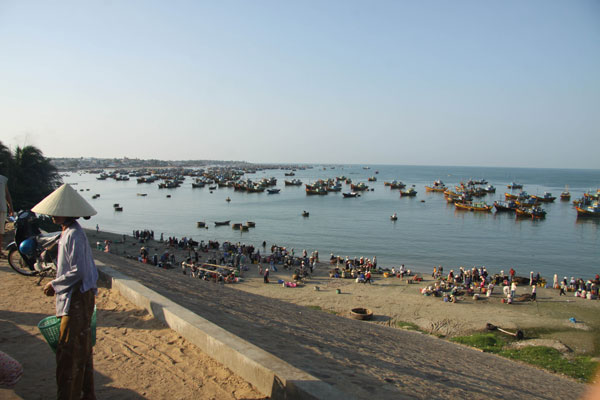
column 136, row 357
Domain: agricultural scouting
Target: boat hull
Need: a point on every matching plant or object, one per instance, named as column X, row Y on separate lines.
column 473, row 207
column 582, row 212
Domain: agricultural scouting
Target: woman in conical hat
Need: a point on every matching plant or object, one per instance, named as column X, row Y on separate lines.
column 75, row 288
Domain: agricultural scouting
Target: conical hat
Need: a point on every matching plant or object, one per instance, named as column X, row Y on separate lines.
column 64, row 202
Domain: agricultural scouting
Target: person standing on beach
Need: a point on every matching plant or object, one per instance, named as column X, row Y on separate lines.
column 513, row 289
column 562, row 290
column 75, row 289
column 5, row 201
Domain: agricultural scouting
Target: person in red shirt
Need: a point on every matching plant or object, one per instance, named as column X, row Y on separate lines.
column 368, row 277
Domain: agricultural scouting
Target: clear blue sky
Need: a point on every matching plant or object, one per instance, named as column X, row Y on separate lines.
column 492, row 83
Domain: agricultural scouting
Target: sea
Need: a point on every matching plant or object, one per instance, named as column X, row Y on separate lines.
column 428, row 232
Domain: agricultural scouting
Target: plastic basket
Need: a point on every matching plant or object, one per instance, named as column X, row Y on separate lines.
column 50, row 328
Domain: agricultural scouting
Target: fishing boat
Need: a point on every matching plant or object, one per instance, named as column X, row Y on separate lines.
column 221, row 223
column 533, row 212
column 337, row 187
column 273, row 191
column 438, row 186
column 440, row 189
column 503, row 206
column 119, row 208
column 473, row 206
column 350, row 194
column 395, row 184
column 305, row 213
column 372, row 179
column 142, row 194
column 236, row 226
column 411, row 192
column 394, row 217
column 520, row 196
column 201, row 224
column 360, row 187
column 528, row 202
column 565, row 195
column 546, row 198
column 588, row 211
column 514, row 185
column 228, row 199
column 293, row 182
column 316, row 191
column 251, row 224
column 213, row 187
column 489, row 189
column 168, row 185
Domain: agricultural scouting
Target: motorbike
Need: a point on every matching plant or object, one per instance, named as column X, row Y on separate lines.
column 33, row 253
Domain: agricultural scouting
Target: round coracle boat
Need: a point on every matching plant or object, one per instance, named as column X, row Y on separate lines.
column 361, row 313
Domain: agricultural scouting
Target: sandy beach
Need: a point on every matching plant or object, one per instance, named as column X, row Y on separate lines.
column 135, row 357
column 395, row 301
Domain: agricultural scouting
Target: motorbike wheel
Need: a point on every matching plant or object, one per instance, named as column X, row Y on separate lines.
column 18, row 263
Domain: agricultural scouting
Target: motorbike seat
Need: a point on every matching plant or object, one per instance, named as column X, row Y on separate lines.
column 47, row 239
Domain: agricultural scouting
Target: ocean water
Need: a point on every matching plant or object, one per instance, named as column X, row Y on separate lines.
column 427, row 233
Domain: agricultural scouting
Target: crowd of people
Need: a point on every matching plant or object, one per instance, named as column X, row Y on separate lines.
column 477, row 282
column 361, row 269
column 236, row 257
column 581, row 288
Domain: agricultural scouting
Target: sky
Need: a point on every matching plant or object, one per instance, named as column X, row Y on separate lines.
column 473, row 83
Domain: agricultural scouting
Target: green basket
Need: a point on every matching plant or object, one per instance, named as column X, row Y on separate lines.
column 50, row 328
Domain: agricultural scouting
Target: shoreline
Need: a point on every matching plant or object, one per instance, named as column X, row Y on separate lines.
column 418, row 269
column 397, row 303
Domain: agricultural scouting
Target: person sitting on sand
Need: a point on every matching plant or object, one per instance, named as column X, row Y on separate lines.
column 266, row 276
column 361, row 278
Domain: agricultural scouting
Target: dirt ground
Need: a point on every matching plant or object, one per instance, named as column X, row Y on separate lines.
column 135, row 357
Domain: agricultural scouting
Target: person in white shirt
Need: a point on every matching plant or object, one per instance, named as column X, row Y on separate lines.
column 75, row 289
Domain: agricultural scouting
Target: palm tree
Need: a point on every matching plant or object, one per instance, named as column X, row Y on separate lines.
column 31, row 176
column 5, row 161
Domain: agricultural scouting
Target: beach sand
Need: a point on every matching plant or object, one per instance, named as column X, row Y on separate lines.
column 135, row 357
column 395, row 302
